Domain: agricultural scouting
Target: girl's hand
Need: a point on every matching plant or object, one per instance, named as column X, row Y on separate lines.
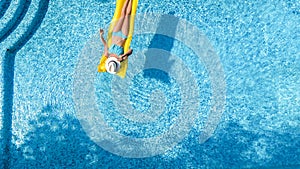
column 125, row 56
column 101, row 32
column 129, row 52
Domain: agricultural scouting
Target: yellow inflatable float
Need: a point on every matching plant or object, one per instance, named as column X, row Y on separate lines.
column 117, row 14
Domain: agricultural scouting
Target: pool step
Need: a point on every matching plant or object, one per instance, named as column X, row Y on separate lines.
column 7, row 11
column 13, row 23
column 34, row 25
column 17, row 21
column 4, row 4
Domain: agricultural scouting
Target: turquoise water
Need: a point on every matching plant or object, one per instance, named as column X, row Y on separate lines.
column 50, row 86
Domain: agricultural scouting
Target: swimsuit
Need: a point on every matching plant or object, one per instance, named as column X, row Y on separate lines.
column 119, row 34
column 118, row 50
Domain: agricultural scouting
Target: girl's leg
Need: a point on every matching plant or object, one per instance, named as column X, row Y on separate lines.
column 126, row 22
column 120, row 21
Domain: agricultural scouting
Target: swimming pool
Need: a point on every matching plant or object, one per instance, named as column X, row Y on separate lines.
column 254, row 65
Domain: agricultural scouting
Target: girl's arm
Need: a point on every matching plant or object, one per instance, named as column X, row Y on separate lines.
column 104, row 43
column 125, row 55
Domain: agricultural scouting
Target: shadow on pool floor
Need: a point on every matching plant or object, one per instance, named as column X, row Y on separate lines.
column 57, row 142
column 167, row 23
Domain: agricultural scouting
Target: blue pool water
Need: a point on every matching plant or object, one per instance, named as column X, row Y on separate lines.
column 211, row 84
